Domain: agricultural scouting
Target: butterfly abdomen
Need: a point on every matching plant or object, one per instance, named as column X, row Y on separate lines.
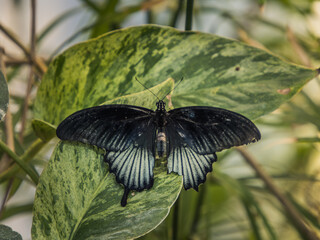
column 160, row 120
column 161, row 143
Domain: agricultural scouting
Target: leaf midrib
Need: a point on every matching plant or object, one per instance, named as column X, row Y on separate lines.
column 86, row 208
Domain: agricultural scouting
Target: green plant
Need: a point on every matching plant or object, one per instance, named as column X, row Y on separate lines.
column 76, row 196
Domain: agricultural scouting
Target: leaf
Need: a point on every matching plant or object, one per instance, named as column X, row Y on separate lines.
column 43, row 130
column 4, row 96
column 251, row 206
column 6, row 233
column 77, row 198
column 217, row 72
column 145, row 98
column 307, row 213
column 253, row 221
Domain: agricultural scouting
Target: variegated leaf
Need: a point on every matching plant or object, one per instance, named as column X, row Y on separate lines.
column 77, row 198
column 217, row 72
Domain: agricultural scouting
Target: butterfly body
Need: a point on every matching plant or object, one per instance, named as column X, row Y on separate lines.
column 134, row 136
column 161, row 143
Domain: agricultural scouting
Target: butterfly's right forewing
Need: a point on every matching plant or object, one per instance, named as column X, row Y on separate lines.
column 111, row 127
column 125, row 132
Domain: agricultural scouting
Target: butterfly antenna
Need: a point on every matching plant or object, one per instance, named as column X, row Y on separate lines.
column 173, row 88
column 147, row 89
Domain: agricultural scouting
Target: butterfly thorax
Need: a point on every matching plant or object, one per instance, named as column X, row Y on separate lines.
column 161, row 114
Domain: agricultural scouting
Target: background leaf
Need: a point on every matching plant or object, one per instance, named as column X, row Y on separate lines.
column 4, row 96
column 6, row 233
column 217, row 71
column 45, row 131
column 77, row 198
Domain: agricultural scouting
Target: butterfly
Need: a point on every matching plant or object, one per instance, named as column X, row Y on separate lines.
column 133, row 137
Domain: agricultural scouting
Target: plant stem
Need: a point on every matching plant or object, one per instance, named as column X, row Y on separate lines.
column 177, row 13
column 5, row 198
column 188, row 26
column 197, row 212
column 13, row 210
column 14, row 62
column 146, row 5
column 33, row 150
column 31, row 75
column 32, row 174
column 308, row 140
column 26, row 157
column 150, row 17
column 294, row 215
column 175, row 221
column 36, row 61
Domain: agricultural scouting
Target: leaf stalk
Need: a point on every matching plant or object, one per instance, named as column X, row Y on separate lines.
column 32, row 174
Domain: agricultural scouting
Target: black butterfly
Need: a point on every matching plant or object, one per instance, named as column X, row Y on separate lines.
column 133, row 136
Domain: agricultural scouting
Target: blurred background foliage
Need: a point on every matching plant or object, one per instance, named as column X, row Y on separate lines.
column 234, row 203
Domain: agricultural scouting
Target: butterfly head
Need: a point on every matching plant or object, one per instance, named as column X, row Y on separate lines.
column 161, row 106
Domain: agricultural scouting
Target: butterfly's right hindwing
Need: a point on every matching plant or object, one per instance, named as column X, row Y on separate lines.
column 133, row 166
column 125, row 132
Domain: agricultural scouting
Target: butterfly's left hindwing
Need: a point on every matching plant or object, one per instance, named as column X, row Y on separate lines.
column 184, row 160
column 196, row 133
column 125, row 132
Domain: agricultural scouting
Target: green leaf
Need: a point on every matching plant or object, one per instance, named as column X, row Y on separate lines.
column 6, row 233
column 45, row 131
column 4, row 96
column 217, row 72
column 147, row 97
column 251, row 206
column 77, row 198
column 307, row 213
column 253, row 221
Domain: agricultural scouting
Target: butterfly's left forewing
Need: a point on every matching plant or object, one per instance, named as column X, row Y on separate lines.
column 195, row 134
column 125, row 132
